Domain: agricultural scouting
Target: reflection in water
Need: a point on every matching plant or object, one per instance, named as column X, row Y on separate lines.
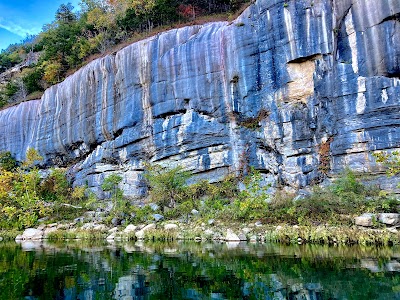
column 197, row 271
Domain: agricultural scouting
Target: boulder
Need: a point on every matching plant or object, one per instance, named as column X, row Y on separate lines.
column 32, row 234
column 149, row 227
column 390, row 219
column 365, row 220
column 88, row 226
column 111, row 237
column 242, row 237
column 116, row 221
column 141, row 233
column 41, row 227
column 158, row 217
column 231, row 236
column 171, row 227
column 100, row 227
column 114, row 229
column 154, row 206
column 246, row 230
column 130, row 228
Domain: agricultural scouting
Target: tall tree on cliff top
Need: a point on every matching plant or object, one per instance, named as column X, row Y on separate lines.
column 65, row 13
column 59, row 40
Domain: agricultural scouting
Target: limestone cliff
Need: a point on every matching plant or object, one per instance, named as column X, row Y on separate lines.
column 295, row 88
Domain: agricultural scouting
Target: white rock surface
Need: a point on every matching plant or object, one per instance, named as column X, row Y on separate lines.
column 231, row 236
column 130, row 228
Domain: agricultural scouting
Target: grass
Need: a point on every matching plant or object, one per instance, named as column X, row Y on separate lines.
column 60, row 235
column 343, row 235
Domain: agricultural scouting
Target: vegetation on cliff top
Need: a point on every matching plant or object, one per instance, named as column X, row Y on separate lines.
column 99, row 27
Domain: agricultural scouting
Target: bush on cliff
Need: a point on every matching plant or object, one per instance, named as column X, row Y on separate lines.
column 391, row 161
column 167, row 186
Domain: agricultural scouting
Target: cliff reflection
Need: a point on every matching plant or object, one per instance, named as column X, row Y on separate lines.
column 75, row 270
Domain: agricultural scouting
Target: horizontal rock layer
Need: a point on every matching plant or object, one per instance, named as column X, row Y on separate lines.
column 295, row 88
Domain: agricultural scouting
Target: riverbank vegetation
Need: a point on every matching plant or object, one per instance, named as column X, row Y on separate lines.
column 30, row 197
column 27, row 195
column 98, row 27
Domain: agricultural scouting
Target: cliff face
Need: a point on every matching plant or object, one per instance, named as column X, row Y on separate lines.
column 295, row 88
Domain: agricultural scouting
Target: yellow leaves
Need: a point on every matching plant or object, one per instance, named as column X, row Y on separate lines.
column 52, row 71
column 6, row 182
column 142, row 6
column 32, row 156
column 100, row 19
column 119, row 7
column 9, row 211
column 390, row 160
column 78, row 193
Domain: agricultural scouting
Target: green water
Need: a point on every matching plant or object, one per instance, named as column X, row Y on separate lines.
column 197, row 271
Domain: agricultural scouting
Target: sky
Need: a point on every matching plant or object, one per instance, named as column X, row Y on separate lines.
column 19, row 18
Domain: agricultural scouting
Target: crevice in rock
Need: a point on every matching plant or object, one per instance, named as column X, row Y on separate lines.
column 395, row 17
column 302, row 59
column 171, row 114
column 118, row 133
column 110, row 161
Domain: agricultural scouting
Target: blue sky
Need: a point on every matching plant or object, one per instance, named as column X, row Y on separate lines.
column 19, row 18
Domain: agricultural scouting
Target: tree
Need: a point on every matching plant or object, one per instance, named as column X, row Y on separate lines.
column 65, row 13
column 32, row 80
column 52, row 71
column 104, row 23
column 110, row 184
column 32, row 157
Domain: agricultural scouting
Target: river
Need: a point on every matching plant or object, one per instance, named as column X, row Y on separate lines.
column 80, row 270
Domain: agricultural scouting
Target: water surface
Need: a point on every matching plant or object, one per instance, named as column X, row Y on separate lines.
column 76, row 270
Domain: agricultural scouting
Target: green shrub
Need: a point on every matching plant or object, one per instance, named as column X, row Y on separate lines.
column 348, row 188
column 252, row 202
column 7, row 162
column 32, row 80
column 167, row 186
column 141, row 214
column 11, row 89
column 110, row 184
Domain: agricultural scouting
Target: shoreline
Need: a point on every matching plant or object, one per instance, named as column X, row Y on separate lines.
column 175, row 231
